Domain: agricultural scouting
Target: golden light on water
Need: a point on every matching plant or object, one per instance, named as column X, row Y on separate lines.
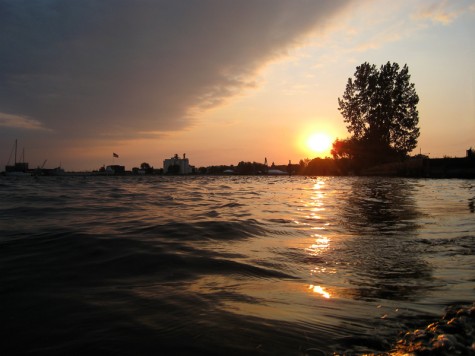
column 318, row 185
column 319, row 290
column 316, row 201
column 321, row 243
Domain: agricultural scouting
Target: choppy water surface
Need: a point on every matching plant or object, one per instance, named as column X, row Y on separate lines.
column 229, row 265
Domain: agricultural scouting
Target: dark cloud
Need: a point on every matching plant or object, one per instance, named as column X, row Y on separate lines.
column 89, row 67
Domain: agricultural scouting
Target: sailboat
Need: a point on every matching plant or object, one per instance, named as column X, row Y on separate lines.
column 18, row 168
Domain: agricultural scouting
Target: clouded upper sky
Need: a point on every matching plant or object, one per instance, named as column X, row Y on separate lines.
column 221, row 80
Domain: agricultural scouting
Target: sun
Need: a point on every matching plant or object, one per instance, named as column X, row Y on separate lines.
column 319, row 142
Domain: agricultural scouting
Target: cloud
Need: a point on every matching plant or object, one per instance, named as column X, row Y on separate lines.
column 444, row 12
column 20, row 122
column 118, row 67
column 373, row 25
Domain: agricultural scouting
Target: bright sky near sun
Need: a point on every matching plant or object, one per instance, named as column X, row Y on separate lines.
column 222, row 81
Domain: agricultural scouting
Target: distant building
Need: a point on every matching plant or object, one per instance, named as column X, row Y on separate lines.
column 115, row 169
column 471, row 153
column 176, row 165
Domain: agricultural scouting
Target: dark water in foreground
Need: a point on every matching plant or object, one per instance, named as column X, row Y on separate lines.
column 229, row 265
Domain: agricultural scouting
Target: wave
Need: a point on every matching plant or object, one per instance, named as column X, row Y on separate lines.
column 212, row 265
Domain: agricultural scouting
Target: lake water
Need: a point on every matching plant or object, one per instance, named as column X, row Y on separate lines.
column 230, row 265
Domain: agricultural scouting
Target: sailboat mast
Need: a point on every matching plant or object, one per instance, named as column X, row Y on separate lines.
column 16, row 142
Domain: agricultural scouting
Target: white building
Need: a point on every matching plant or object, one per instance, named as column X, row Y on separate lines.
column 177, row 165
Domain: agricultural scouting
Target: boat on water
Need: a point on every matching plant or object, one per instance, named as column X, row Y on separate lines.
column 18, row 168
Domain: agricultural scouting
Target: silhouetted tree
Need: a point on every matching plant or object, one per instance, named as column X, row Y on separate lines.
column 343, row 148
column 217, row 169
column 322, row 167
column 146, row 167
column 379, row 107
column 251, row 168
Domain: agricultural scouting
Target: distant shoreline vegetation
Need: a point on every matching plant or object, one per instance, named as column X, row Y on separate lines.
column 419, row 166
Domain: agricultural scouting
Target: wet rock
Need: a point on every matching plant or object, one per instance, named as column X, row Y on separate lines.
column 452, row 335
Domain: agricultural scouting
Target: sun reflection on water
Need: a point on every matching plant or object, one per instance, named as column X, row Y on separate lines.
column 313, row 205
column 319, row 290
column 321, row 243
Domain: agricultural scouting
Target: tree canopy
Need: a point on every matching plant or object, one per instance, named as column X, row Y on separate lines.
column 380, row 108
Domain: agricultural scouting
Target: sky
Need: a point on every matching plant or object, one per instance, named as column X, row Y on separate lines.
column 223, row 81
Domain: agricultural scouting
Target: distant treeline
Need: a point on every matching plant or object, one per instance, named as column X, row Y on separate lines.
column 243, row 168
column 416, row 166
column 316, row 167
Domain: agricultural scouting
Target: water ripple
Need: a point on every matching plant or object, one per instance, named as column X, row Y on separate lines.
column 212, row 265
